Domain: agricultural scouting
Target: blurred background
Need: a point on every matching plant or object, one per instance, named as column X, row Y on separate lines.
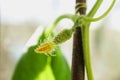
column 20, row 18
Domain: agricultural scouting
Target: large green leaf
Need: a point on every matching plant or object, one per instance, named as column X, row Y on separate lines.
column 32, row 66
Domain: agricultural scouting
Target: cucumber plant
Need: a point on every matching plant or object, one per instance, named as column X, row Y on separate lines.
column 45, row 60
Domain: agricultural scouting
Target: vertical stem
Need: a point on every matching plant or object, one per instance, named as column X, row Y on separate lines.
column 86, row 50
column 77, row 56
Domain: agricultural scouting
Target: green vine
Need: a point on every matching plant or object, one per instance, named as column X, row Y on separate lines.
column 78, row 20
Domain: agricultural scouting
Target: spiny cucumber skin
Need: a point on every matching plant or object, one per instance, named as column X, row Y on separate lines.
column 63, row 36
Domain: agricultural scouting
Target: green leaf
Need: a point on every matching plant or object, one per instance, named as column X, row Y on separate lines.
column 32, row 66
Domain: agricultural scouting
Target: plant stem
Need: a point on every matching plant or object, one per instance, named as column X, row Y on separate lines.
column 95, row 8
column 86, row 50
column 77, row 56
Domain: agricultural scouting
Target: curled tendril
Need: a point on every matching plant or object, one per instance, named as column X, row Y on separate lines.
column 80, row 5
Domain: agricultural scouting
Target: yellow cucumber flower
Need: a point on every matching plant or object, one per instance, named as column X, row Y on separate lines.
column 45, row 47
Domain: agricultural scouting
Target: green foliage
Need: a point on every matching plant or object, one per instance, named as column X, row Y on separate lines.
column 33, row 66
